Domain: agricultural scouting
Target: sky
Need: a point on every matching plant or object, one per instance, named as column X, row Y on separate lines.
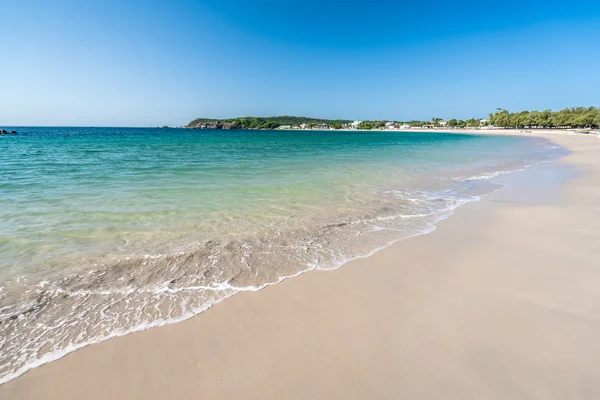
column 154, row 63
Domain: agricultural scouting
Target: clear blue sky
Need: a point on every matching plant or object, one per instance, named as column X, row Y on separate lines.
column 148, row 63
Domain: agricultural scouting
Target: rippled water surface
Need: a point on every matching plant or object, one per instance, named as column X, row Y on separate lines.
column 104, row 231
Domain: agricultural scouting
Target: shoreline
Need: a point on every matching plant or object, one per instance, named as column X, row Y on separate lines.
column 44, row 377
column 484, row 131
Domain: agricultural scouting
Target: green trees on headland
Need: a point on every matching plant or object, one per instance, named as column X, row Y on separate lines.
column 266, row 122
column 578, row 117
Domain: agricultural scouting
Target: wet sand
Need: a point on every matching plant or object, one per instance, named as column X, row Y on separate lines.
column 502, row 301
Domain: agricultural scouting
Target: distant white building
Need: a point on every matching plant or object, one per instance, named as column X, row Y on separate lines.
column 355, row 124
column 443, row 122
column 393, row 126
column 484, row 122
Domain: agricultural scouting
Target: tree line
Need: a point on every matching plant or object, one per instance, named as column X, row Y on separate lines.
column 434, row 123
column 577, row 117
column 568, row 118
column 368, row 125
column 269, row 122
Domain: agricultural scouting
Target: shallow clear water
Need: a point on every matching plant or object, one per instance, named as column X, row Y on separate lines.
column 104, row 231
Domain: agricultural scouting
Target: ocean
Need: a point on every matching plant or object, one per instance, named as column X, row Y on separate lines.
column 106, row 231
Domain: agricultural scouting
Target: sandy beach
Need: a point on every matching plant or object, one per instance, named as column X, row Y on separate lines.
column 502, row 301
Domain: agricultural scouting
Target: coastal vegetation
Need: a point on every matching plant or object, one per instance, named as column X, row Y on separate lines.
column 267, row 122
column 367, row 125
column 469, row 123
column 577, row 117
column 568, row 118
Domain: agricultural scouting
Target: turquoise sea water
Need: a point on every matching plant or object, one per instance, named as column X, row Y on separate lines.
column 105, row 231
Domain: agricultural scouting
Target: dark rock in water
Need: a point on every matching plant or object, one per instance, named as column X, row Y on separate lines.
column 13, row 132
column 3, row 131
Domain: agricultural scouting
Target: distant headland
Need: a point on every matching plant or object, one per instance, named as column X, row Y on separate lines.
column 283, row 122
column 568, row 118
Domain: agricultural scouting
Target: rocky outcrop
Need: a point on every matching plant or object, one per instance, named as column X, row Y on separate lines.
column 5, row 132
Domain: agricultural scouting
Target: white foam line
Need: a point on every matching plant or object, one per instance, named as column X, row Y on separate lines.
column 56, row 355
column 492, row 174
